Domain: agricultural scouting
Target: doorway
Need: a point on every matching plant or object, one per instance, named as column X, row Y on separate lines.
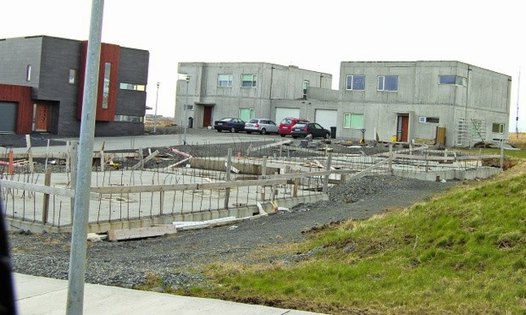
column 207, row 116
column 41, row 118
column 402, row 128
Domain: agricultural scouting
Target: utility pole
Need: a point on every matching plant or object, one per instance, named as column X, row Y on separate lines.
column 186, row 110
column 155, row 112
column 77, row 261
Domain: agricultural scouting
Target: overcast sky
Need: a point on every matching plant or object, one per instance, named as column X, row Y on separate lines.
column 312, row 34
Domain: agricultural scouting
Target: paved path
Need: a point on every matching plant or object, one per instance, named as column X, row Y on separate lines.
column 46, row 296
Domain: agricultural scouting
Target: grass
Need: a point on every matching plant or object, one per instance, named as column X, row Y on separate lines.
column 463, row 252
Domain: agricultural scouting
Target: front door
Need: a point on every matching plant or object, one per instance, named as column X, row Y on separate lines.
column 41, row 117
column 207, row 116
column 402, row 128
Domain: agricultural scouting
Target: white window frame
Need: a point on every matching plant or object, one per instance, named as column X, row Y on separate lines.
column 224, row 77
column 348, row 120
column 382, row 79
column 252, row 82
column 352, row 77
column 500, row 127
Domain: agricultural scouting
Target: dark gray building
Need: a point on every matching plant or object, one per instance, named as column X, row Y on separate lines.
column 41, row 87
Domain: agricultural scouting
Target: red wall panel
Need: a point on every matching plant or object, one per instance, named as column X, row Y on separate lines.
column 23, row 96
column 108, row 53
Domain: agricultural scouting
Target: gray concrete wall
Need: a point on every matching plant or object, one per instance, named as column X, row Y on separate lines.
column 274, row 82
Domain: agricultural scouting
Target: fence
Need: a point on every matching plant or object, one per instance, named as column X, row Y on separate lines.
column 189, row 188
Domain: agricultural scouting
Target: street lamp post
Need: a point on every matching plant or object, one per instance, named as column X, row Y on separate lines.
column 155, row 113
column 185, row 110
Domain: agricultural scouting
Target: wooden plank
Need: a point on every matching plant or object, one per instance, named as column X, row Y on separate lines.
column 37, row 188
column 143, row 161
column 143, row 232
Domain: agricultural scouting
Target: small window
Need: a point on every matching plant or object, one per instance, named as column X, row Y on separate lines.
column 353, row 121
column 428, row 120
column 128, row 118
column 248, row 80
column 224, row 80
column 497, row 128
column 72, row 76
column 28, row 73
column 452, row 79
column 355, row 82
column 388, row 83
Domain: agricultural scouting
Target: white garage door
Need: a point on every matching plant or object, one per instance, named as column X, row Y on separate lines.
column 326, row 118
column 282, row 112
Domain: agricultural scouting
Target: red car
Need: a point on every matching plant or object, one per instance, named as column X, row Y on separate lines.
column 285, row 126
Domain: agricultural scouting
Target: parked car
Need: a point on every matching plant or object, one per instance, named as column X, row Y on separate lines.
column 261, row 125
column 285, row 126
column 229, row 123
column 314, row 129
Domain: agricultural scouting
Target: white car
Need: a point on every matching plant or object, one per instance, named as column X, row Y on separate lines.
column 261, row 125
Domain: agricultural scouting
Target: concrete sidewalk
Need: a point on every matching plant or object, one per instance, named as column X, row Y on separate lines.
column 39, row 295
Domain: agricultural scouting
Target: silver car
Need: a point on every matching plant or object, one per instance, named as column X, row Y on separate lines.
column 261, row 125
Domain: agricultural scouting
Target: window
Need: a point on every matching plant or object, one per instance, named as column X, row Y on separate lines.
column 132, row 87
column 388, row 83
column 28, row 73
column 248, row 80
column 353, row 121
column 497, row 128
column 106, row 86
column 127, row 118
column 428, row 120
column 72, row 76
column 224, row 80
column 355, row 82
column 451, row 79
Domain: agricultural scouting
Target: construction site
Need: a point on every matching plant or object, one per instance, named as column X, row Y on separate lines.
column 148, row 191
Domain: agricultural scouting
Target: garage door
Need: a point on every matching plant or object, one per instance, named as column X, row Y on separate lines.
column 326, row 118
column 282, row 112
column 7, row 117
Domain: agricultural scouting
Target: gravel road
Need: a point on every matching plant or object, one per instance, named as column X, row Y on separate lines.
column 177, row 258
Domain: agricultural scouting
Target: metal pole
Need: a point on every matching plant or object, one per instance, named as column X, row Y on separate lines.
column 77, row 265
column 155, row 113
column 185, row 110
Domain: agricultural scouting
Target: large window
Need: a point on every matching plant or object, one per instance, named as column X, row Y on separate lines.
column 248, row 80
column 128, row 118
column 224, row 80
column 452, row 79
column 106, row 86
column 355, row 82
column 388, row 83
column 353, row 121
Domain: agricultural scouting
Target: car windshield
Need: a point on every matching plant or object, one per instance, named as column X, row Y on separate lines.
column 226, row 119
column 286, row 121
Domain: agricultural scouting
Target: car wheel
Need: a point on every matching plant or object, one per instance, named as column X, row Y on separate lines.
column 327, row 135
column 232, row 129
column 249, row 132
column 294, row 137
column 282, row 135
column 263, row 131
column 218, row 130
